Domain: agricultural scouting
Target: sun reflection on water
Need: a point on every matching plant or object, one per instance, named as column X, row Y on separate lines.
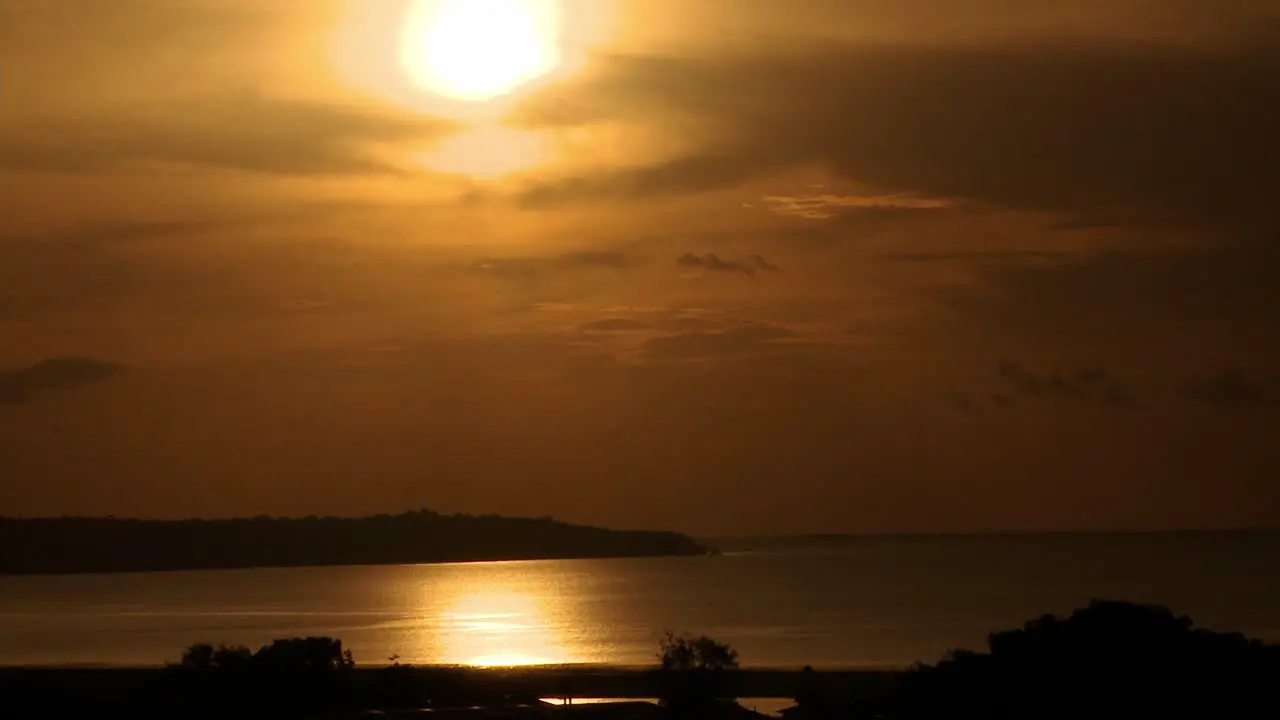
column 500, row 628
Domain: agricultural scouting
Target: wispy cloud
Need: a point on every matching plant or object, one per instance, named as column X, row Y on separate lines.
column 714, row 263
column 524, row 267
column 615, row 324
column 701, row 344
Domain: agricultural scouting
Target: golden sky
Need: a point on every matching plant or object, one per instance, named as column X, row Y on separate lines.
column 729, row 266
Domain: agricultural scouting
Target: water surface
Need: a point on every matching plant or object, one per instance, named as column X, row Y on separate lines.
column 875, row 602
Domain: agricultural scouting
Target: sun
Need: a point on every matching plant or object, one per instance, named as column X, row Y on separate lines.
column 476, row 50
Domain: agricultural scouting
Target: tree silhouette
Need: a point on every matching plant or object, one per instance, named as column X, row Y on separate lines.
column 692, row 671
column 685, row 652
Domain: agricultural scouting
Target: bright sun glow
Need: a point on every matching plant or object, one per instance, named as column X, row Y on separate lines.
column 480, row 49
column 488, row 151
column 500, row 629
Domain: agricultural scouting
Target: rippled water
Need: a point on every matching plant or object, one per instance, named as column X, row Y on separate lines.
column 870, row 603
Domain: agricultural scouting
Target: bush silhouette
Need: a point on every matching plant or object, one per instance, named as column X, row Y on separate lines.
column 313, row 655
column 1111, row 659
column 205, row 657
column 291, row 675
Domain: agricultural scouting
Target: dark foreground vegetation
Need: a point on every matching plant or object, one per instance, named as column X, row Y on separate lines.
column 1110, row 660
column 85, row 545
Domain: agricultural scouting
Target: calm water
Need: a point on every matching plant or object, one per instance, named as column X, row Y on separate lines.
column 875, row 602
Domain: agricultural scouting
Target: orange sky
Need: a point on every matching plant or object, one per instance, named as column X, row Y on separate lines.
column 735, row 267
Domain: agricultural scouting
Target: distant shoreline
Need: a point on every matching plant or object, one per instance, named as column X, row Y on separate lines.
column 239, row 568
column 79, row 546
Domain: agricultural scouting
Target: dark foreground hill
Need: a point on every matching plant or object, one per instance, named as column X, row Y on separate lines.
column 91, row 545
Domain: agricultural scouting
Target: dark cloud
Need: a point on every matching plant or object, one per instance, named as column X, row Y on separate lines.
column 1172, row 133
column 963, row 402
column 987, row 256
column 248, row 132
column 763, row 264
column 1181, row 300
column 1116, row 396
column 1090, row 385
column 1233, row 389
column 107, row 233
column 1086, row 384
column 1026, row 384
column 71, row 278
column 1000, row 399
column 714, row 263
column 1074, row 224
column 53, row 374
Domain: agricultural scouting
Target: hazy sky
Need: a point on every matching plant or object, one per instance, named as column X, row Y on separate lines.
column 739, row 266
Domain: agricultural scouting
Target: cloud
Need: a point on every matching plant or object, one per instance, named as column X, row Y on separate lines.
column 823, row 207
column 715, row 263
column 246, row 131
column 615, row 324
column 765, row 265
column 687, row 333
column 705, row 344
column 742, row 341
column 1084, row 128
column 528, row 267
column 681, row 175
column 1231, row 389
column 50, row 375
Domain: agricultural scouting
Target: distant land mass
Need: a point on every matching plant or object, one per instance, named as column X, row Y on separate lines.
column 68, row 545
